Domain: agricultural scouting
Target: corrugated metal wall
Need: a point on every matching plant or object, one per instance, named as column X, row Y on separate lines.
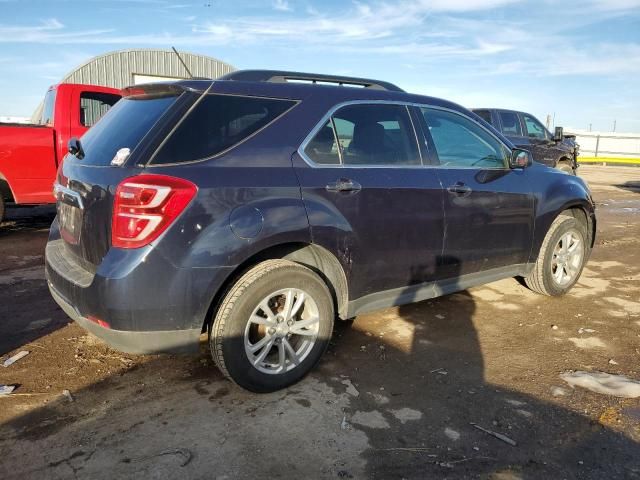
column 116, row 69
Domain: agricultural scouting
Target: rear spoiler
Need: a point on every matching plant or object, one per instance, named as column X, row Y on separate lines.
column 161, row 89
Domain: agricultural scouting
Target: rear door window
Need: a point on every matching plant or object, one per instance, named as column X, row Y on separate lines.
column 461, row 142
column 510, row 124
column 323, row 147
column 365, row 134
column 218, row 123
column 484, row 114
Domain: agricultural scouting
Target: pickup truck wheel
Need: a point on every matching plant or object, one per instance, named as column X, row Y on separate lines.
column 272, row 326
column 561, row 259
column 566, row 167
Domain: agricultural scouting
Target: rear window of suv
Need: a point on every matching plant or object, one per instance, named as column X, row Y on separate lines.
column 123, row 126
column 218, row 123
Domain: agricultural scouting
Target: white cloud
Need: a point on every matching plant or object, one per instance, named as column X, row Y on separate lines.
column 282, row 6
column 404, row 32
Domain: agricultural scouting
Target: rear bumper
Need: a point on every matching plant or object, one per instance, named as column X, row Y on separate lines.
column 136, row 300
column 171, row 341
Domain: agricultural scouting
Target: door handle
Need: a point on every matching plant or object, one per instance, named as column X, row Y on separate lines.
column 460, row 189
column 344, row 185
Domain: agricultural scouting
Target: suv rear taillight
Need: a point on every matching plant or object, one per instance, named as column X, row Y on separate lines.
column 145, row 206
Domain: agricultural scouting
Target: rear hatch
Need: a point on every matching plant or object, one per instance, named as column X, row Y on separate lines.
column 117, row 147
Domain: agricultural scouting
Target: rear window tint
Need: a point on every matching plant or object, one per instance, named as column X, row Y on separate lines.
column 218, row 123
column 124, row 125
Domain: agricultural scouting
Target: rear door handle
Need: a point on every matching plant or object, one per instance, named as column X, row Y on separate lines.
column 460, row 189
column 344, row 185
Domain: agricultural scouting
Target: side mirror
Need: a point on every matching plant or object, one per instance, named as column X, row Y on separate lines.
column 520, row 158
column 558, row 134
column 75, row 148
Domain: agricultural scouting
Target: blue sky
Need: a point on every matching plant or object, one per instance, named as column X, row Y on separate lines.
column 579, row 60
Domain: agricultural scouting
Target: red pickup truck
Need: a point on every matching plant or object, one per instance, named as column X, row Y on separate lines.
column 30, row 153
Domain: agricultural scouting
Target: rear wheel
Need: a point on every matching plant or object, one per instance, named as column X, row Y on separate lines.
column 272, row 326
column 561, row 259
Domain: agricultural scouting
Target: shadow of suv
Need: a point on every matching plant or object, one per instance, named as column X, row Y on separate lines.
column 262, row 206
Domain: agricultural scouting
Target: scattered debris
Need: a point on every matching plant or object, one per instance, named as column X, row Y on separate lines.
column 24, row 394
column 586, row 330
column 440, row 317
column 408, row 449
column 558, row 392
column 379, row 399
column 351, row 390
column 499, row 436
column 383, row 354
column 612, row 362
column 515, row 403
column 440, row 371
column 605, row 383
column 180, row 452
column 67, row 394
column 554, row 327
column 10, row 361
column 6, row 389
column 524, row 413
column 344, row 425
column 452, row 434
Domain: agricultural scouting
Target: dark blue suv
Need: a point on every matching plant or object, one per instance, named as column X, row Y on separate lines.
column 259, row 207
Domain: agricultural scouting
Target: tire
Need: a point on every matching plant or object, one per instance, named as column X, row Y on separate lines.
column 565, row 167
column 1, row 209
column 242, row 322
column 550, row 278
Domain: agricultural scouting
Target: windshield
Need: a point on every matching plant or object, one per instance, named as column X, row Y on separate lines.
column 123, row 126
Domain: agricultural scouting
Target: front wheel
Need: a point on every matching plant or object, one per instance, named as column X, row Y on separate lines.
column 561, row 259
column 272, row 326
column 566, row 167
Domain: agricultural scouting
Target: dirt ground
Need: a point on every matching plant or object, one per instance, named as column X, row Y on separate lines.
column 396, row 396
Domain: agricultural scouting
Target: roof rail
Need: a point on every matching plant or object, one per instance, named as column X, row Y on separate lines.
column 278, row 76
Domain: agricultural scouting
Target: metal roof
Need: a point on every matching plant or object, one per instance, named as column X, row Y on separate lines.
column 117, row 69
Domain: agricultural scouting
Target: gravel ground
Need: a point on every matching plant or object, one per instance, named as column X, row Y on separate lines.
column 400, row 394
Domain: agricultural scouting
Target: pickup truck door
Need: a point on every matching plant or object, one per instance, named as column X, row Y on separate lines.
column 539, row 140
column 27, row 162
column 489, row 208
